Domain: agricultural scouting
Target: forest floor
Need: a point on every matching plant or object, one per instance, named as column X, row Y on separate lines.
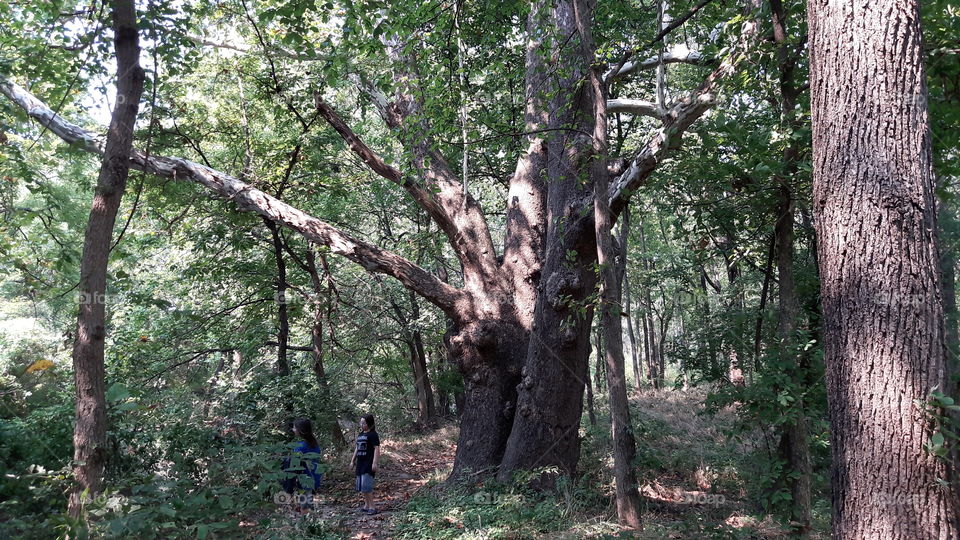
column 406, row 465
column 694, row 480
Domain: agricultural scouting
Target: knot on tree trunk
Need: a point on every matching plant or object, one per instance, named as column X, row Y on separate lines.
column 561, row 287
column 469, row 343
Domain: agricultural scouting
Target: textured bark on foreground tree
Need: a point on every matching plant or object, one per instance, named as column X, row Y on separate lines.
column 883, row 319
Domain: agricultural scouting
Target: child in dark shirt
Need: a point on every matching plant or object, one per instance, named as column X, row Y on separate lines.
column 366, row 456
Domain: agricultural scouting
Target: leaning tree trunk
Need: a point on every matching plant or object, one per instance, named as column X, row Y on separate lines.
column 421, row 372
column 90, row 430
column 883, row 319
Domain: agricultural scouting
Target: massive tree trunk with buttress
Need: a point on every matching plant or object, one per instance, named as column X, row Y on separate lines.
column 519, row 321
column 550, row 396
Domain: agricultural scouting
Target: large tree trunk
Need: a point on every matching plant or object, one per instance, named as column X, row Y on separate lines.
column 489, row 354
column 624, row 446
column 550, row 398
column 883, row 320
column 90, row 430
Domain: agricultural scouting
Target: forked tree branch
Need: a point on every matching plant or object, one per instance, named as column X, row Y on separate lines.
column 680, row 117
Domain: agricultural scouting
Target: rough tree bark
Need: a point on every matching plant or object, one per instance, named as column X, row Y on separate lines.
column 545, row 430
column 90, row 430
column 883, row 319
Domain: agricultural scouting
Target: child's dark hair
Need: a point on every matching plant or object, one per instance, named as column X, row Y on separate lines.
column 305, row 429
column 369, row 419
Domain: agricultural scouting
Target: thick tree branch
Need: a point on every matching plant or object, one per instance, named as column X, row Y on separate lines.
column 679, row 54
column 462, row 218
column 422, row 196
column 250, row 199
column 635, row 106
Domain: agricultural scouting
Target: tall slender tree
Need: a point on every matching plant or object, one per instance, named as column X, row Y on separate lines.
column 795, row 440
column 90, row 430
column 624, row 445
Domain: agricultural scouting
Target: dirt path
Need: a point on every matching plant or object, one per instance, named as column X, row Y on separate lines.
column 405, row 466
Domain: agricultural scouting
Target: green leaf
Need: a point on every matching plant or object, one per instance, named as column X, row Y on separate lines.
column 117, row 392
column 937, row 439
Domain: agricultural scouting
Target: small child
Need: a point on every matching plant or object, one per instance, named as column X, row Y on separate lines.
column 366, row 457
column 309, row 475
